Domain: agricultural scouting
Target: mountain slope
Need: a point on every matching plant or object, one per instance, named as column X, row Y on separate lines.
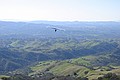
column 66, row 68
column 18, row 53
column 91, row 67
column 24, row 43
column 72, row 29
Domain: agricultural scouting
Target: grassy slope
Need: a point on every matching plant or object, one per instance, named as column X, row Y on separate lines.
column 58, row 49
column 3, row 76
column 69, row 67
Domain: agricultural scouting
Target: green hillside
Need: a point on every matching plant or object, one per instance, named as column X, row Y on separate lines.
column 69, row 67
column 17, row 53
column 84, row 50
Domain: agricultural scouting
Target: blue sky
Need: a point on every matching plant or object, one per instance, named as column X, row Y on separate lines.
column 60, row 10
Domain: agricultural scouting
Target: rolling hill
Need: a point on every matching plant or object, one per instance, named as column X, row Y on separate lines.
column 87, row 49
column 19, row 53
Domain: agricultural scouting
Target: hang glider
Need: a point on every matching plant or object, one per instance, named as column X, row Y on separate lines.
column 56, row 29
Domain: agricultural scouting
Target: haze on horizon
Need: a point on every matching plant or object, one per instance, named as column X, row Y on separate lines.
column 60, row 10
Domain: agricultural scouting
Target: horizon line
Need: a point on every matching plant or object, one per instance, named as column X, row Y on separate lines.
column 12, row 20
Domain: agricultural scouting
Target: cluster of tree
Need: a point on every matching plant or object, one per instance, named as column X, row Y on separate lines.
column 48, row 76
column 109, row 76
